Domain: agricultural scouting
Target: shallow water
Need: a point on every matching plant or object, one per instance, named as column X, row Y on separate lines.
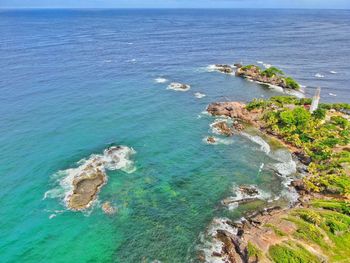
column 74, row 82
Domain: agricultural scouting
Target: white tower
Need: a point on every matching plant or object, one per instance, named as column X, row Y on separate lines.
column 315, row 100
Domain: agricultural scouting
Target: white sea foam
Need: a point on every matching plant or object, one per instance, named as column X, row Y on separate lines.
column 178, row 86
column 213, row 68
column 199, row 95
column 319, row 75
column 113, row 158
column 267, row 65
column 332, row 94
column 260, row 62
column 217, row 120
column 264, row 146
column 160, row 80
column 333, row 72
column 210, row 244
column 131, row 60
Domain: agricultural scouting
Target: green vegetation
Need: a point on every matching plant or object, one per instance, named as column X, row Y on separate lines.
column 324, row 136
column 253, row 251
column 288, row 252
column 277, row 231
column 272, row 71
column 291, row 83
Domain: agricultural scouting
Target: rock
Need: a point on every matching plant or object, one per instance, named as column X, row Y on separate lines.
column 254, row 73
column 249, row 190
column 216, row 254
column 223, row 127
column 179, row 86
column 238, row 126
column 108, row 208
column 238, row 65
column 233, row 110
column 85, row 188
column 303, row 158
column 298, row 184
column 224, row 68
column 211, row 140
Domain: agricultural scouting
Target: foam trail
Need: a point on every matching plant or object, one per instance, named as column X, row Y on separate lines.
column 264, row 146
column 319, row 75
column 160, row 80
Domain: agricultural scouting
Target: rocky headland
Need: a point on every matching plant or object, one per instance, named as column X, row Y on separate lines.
column 320, row 219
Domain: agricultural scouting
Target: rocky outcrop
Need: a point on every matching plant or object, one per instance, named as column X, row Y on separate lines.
column 254, row 73
column 227, row 69
column 235, row 110
column 86, row 187
column 223, row 128
column 87, row 179
column 179, row 86
column 211, row 140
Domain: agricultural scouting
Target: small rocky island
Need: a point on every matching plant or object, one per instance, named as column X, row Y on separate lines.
column 87, row 180
column 317, row 227
column 270, row 76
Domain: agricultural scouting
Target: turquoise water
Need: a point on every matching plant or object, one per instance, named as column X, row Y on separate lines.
column 75, row 82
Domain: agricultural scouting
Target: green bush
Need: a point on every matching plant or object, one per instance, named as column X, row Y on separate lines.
column 286, row 253
column 272, row 71
column 291, row 83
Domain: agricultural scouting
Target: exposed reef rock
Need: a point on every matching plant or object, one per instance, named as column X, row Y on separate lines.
column 211, row 140
column 227, row 69
column 179, row 86
column 87, row 180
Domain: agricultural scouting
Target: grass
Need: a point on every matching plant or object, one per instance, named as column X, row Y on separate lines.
column 277, row 231
column 288, row 252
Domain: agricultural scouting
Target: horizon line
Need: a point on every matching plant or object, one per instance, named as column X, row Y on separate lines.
column 168, row 8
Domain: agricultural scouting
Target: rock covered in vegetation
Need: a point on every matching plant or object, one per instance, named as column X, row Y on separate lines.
column 270, row 76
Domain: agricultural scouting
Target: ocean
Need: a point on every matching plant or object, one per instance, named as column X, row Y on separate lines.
column 74, row 82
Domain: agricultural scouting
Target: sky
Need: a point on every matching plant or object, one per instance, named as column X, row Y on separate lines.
column 329, row 4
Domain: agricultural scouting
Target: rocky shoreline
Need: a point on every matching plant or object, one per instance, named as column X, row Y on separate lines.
column 260, row 235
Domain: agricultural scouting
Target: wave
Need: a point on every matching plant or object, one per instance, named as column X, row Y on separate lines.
column 210, row 245
column 319, row 75
column 160, row 80
column 264, row 146
column 199, row 95
column 333, row 72
column 217, row 120
column 332, row 94
column 267, row 65
column 113, row 158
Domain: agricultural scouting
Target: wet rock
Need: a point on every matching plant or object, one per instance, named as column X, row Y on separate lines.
column 238, row 126
column 108, row 208
column 298, row 185
column 223, row 128
column 238, row 65
column 211, row 140
column 179, row 86
column 224, row 68
column 85, row 188
column 248, row 190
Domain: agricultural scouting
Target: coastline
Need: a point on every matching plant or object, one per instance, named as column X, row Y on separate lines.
column 256, row 237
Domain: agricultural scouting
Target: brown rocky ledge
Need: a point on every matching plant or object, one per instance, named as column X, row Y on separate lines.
column 90, row 176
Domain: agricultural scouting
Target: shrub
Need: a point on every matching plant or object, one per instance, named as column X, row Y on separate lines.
column 291, row 83
column 272, row 71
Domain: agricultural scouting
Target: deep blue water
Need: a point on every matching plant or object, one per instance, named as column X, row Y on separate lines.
column 74, row 81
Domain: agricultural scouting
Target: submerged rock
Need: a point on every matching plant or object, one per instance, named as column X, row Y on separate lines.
column 108, row 208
